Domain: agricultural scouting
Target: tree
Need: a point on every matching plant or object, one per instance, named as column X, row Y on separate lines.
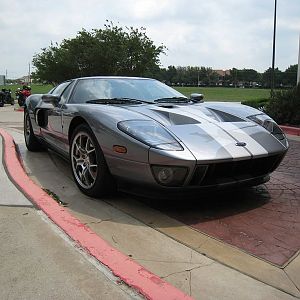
column 290, row 76
column 170, row 74
column 109, row 51
column 266, row 78
column 249, row 75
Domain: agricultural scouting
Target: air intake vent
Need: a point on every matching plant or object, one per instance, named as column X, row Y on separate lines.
column 227, row 172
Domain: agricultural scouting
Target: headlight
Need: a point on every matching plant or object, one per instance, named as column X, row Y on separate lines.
column 269, row 124
column 259, row 119
column 150, row 133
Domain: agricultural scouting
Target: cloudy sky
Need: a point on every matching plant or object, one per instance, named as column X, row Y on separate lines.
column 215, row 33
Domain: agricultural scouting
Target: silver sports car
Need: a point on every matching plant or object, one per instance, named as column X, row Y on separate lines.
column 139, row 130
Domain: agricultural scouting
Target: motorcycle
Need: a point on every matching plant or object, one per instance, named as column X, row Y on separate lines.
column 21, row 96
column 6, row 98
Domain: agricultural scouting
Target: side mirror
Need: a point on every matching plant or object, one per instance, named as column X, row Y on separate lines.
column 48, row 98
column 197, row 97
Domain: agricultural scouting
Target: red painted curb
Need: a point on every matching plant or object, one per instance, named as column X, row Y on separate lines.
column 290, row 130
column 149, row 285
column 19, row 109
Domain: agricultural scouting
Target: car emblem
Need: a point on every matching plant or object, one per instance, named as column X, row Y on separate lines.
column 241, row 144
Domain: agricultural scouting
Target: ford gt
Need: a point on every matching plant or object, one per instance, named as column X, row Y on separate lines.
column 141, row 131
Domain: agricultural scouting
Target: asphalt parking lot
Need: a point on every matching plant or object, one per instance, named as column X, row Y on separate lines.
column 205, row 246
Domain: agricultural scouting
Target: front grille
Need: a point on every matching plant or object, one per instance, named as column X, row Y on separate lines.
column 231, row 171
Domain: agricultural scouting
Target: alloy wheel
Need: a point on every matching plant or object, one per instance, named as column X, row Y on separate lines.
column 27, row 127
column 84, row 160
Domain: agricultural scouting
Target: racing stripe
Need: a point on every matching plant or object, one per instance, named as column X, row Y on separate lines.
column 225, row 140
column 269, row 142
column 241, row 135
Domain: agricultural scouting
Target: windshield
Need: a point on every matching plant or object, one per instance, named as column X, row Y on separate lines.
column 102, row 89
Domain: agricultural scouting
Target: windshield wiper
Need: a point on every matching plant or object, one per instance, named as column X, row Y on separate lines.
column 117, row 101
column 172, row 99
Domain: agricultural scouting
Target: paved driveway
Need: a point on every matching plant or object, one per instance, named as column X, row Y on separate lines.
column 224, row 236
column 263, row 221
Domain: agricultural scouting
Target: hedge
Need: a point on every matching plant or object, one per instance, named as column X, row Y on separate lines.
column 284, row 106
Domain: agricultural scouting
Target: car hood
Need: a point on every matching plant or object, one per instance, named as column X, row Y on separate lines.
column 211, row 132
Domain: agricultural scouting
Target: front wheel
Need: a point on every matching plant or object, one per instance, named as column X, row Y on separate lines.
column 88, row 164
column 31, row 141
column 21, row 100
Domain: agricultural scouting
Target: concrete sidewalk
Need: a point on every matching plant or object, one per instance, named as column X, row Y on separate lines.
column 39, row 262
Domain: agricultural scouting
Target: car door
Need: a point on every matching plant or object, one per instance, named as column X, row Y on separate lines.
column 53, row 132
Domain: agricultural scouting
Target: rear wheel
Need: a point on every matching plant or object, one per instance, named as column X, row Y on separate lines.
column 31, row 141
column 88, row 164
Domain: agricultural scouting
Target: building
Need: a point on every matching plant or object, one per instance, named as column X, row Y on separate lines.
column 2, row 79
column 222, row 73
column 25, row 79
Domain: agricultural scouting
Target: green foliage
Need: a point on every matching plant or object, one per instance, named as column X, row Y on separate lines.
column 186, row 75
column 287, row 78
column 290, row 76
column 284, row 106
column 244, row 75
column 257, row 103
column 55, row 197
column 266, row 77
column 109, row 51
column 203, row 76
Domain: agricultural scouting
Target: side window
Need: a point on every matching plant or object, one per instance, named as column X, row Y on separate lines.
column 66, row 93
column 60, row 88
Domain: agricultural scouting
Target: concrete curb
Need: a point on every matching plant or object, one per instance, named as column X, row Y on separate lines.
column 146, row 283
column 19, row 109
column 290, row 130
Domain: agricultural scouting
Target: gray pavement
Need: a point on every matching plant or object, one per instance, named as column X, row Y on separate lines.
column 37, row 263
column 41, row 263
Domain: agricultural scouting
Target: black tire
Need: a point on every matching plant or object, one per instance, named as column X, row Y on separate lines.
column 32, row 143
column 88, row 164
column 21, row 100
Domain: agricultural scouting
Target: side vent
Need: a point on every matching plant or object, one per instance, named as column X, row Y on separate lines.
column 42, row 117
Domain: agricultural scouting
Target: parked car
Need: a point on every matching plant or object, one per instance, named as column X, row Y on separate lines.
column 141, row 131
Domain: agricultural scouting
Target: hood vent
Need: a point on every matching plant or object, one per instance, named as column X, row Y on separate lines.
column 176, row 119
column 222, row 116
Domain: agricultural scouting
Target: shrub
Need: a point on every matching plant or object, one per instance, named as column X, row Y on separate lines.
column 284, row 106
column 256, row 103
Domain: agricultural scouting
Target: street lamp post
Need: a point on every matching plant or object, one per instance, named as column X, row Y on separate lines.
column 273, row 57
column 298, row 74
column 29, row 79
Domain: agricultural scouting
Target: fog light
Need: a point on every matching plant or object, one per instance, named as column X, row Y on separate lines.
column 169, row 176
column 165, row 175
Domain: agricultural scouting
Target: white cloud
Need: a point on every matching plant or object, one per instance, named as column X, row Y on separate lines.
column 216, row 33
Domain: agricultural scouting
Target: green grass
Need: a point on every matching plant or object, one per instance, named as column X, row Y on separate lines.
column 210, row 93
column 35, row 88
column 226, row 94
